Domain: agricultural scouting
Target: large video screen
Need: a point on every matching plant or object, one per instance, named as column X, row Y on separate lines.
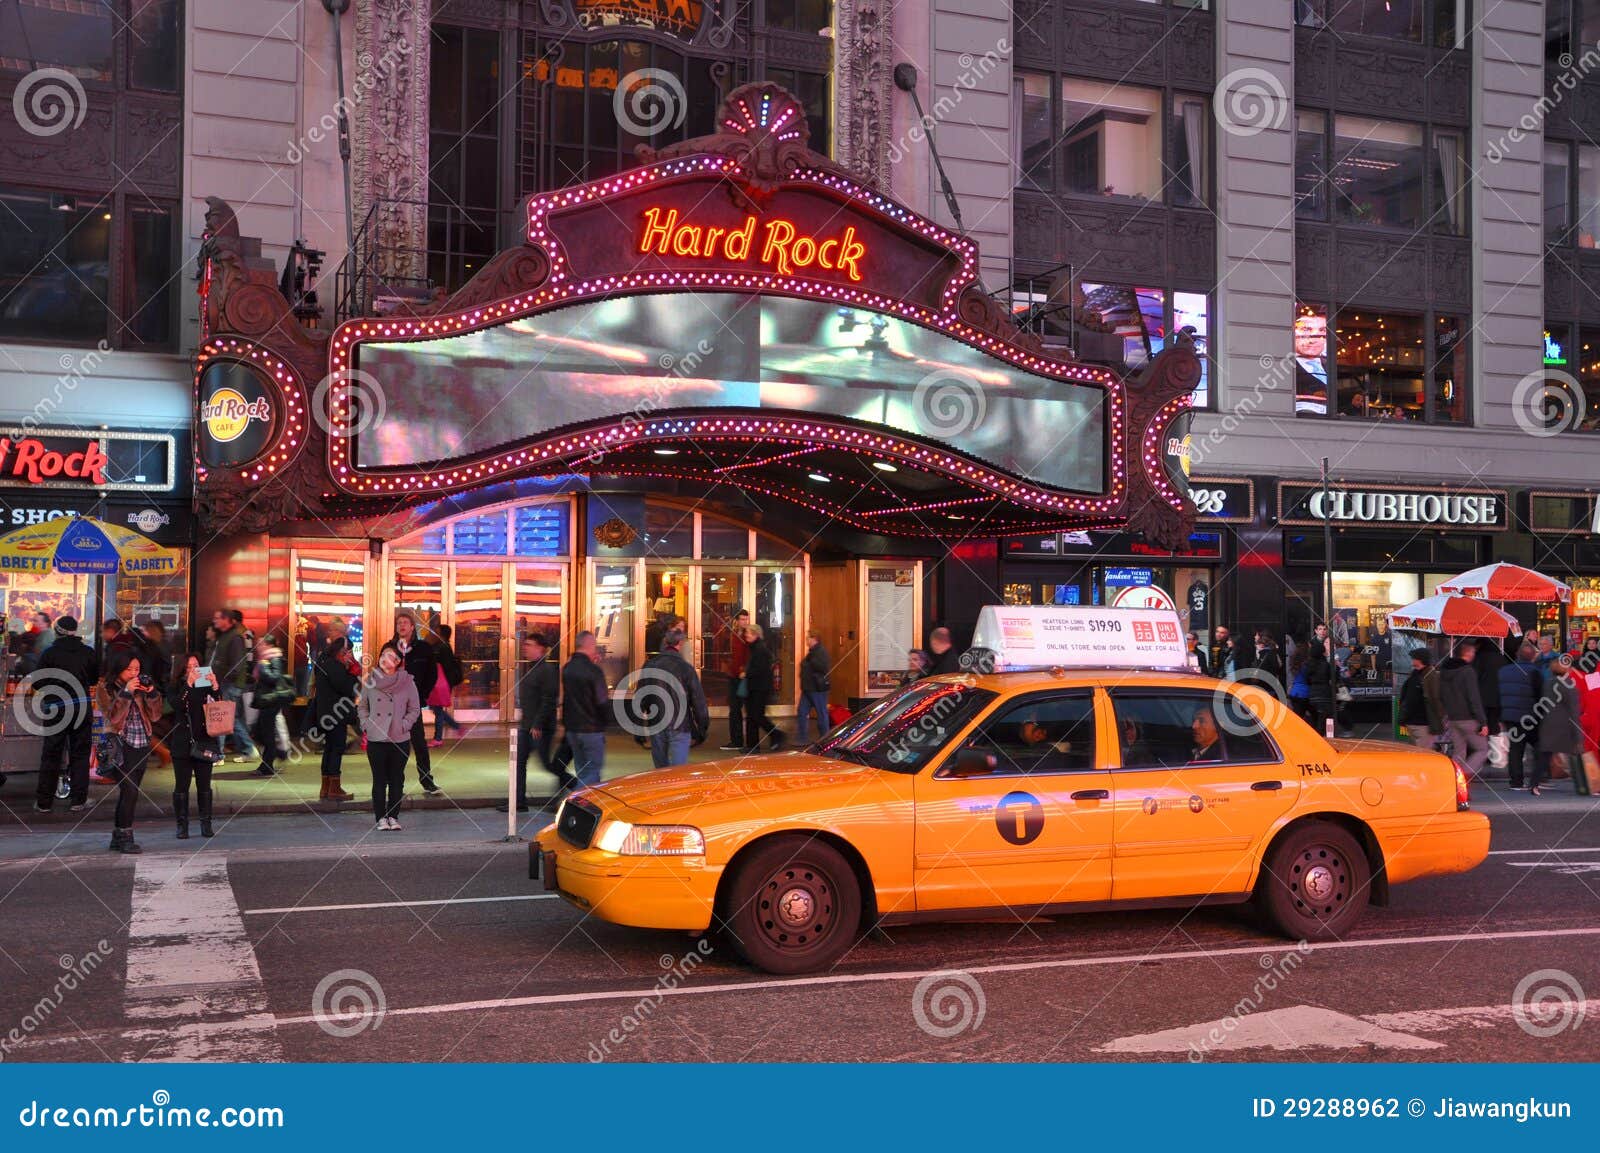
column 656, row 355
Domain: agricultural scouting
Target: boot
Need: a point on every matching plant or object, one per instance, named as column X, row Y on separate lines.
column 180, row 810
column 122, row 841
column 335, row 790
column 205, row 813
column 323, row 795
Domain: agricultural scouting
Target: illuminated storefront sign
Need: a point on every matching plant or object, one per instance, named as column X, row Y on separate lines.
column 30, row 461
column 782, row 247
column 1305, row 504
column 236, row 417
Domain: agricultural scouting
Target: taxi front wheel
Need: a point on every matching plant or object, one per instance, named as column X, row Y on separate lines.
column 793, row 906
column 1315, row 884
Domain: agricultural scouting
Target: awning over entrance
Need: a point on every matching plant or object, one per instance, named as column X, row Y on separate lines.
column 736, row 311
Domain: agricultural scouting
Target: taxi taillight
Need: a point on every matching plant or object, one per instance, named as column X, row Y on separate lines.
column 1463, row 792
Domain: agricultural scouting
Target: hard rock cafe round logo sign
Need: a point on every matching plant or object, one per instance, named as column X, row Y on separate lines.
column 227, row 414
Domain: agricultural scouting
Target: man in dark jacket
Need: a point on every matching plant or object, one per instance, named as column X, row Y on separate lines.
column 417, row 656
column 231, row 666
column 1421, row 709
column 538, row 692
column 333, row 707
column 738, row 657
column 816, row 671
column 1521, row 682
column 1487, row 665
column 684, row 715
column 943, row 652
column 1464, row 718
column 64, row 714
column 585, row 708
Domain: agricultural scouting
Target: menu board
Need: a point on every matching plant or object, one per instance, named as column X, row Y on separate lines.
column 891, row 624
column 1038, row 636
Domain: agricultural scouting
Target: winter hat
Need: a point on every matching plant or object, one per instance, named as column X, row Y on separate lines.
column 67, row 626
column 1422, row 655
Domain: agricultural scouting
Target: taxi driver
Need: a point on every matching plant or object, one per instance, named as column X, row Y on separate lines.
column 1207, row 740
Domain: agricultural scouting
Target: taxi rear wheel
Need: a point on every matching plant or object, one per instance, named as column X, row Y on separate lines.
column 794, row 905
column 1316, row 882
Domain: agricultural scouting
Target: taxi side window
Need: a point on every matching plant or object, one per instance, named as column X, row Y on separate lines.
column 1053, row 734
column 1187, row 729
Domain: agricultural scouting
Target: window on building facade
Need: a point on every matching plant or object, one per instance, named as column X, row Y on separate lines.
column 1191, row 146
column 1588, row 202
column 1557, row 197
column 1124, row 326
column 1383, row 365
column 1448, row 20
column 1377, row 173
column 1311, row 165
column 1557, row 33
column 1450, row 178
column 571, row 105
column 1571, row 400
column 92, row 257
column 1102, row 139
column 1110, row 139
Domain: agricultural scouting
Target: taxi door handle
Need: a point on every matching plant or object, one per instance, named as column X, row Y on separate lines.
column 1091, row 794
column 1266, row 786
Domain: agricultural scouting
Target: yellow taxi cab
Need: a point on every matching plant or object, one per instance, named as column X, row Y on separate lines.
column 1020, row 792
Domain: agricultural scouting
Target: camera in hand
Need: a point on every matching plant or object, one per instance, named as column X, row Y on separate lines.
column 146, row 680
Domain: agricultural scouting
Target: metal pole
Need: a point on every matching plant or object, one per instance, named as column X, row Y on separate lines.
column 336, row 9
column 511, row 789
column 1331, row 725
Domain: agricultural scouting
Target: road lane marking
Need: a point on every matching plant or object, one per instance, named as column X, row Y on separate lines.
column 190, row 966
column 1315, row 1027
column 1536, row 852
column 917, row 974
column 399, row 904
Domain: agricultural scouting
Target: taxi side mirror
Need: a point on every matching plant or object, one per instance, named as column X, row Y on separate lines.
column 973, row 763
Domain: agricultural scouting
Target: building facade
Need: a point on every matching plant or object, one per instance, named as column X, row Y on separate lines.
column 1375, row 220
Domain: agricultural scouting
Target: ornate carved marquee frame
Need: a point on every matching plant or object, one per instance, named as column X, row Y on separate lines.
column 759, row 160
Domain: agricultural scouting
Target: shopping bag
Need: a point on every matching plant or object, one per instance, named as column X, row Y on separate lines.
column 1499, row 749
column 220, row 715
column 1558, row 767
column 1588, row 781
column 280, row 730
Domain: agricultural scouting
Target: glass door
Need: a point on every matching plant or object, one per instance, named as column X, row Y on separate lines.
column 420, row 588
column 721, row 596
column 776, row 611
column 613, row 612
column 477, row 608
column 666, row 599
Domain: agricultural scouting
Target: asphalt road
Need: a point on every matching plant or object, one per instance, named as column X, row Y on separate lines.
column 456, row 956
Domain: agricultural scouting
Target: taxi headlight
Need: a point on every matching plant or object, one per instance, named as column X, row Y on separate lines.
column 651, row 840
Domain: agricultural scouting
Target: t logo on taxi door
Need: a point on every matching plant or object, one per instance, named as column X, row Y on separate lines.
column 1019, row 817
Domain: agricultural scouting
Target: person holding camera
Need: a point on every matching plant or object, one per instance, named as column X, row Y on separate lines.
column 194, row 750
column 130, row 707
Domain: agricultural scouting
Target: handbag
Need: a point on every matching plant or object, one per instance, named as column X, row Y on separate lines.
column 220, row 716
column 1590, row 778
column 1499, row 749
column 108, row 752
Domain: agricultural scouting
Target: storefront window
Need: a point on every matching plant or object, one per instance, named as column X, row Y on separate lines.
column 1557, row 184
column 1380, row 363
column 1018, row 593
column 1377, row 172
column 614, row 597
column 1588, row 224
column 668, row 531
column 1192, row 310
column 1588, row 375
column 1311, row 360
column 540, row 530
column 1311, row 165
column 1111, row 139
column 327, row 598
column 1191, row 146
column 480, row 535
column 1359, row 626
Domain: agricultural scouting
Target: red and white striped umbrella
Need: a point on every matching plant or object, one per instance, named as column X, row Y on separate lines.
column 1454, row 616
column 1508, row 582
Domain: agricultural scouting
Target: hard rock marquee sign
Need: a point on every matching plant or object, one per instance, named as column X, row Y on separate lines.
column 750, row 212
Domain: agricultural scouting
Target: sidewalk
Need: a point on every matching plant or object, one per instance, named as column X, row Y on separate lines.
column 472, row 771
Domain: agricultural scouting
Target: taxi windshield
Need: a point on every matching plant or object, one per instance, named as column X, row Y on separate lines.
column 903, row 730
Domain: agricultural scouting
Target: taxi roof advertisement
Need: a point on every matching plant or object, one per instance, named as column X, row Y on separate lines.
column 1046, row 636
